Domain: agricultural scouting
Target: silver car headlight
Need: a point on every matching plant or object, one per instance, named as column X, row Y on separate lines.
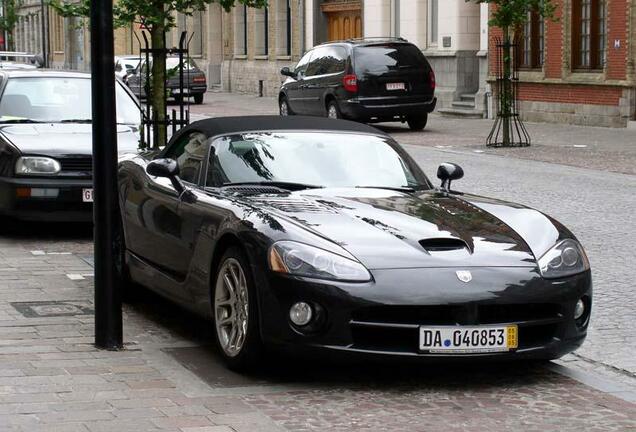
column 566, row 258
column 300, row 259
column 37, row 165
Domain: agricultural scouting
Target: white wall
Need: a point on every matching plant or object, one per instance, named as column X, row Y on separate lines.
column 414, row 21
column 483, row 25
column 459, row 20
column 377, row 18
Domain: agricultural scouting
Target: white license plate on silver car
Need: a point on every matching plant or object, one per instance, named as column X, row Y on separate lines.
column 468, row 340
column 87, row 195
column 395, row 86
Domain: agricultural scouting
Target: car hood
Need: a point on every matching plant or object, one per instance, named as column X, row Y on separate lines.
column 63, row 139
column 385, row 229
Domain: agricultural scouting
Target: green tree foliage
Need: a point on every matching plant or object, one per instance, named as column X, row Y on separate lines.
column 157, row 16
column 9, row 20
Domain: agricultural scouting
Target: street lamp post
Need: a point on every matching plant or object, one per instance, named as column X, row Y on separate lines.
column 108, row 316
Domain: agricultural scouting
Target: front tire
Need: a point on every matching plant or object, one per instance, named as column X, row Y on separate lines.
column 236, row 322
column 129, row 291
column 333, row 111
column 198, row 99
column 417, row 123
column 283, row 107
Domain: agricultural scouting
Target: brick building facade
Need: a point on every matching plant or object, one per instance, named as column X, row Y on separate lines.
column 581, row 67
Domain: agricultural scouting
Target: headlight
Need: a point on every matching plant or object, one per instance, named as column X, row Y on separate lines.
column 566, row 258
column 303, row 260
column 32, row 165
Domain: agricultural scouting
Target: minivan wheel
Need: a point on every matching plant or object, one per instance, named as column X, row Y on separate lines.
column 332, row 110
column 283, row 107
column 198, row 99
column 417, row 123
column 236, row 312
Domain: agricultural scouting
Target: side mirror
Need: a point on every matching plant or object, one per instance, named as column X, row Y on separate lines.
column 447, row 172
column 167, row 168
column 287, row 72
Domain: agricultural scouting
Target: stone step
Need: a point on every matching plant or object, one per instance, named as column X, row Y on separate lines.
column 461, row 113
column 464, row 104
column 468, row 97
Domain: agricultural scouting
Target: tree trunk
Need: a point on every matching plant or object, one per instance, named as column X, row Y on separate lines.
column 158, row 86
column 506, row 97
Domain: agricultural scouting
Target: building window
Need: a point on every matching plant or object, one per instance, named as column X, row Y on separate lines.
column 531, row 42
column 589, row 36
column 433, row 17
column 261, row 37
column 240, row 30
column 283, row 18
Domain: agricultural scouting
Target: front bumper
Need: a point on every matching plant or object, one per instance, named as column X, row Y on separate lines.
column 382, row 318
column 64, row 206
column 384, row 108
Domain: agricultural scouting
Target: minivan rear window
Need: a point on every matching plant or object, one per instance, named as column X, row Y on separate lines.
column 379, row 59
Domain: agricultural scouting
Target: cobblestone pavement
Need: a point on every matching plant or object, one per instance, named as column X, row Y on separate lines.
column 590, row 147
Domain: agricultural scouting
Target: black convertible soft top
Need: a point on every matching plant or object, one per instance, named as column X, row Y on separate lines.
column 228, row 125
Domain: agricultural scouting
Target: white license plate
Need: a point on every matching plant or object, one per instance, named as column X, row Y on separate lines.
column 87, row 195
column 395, row 86
column 467, row 340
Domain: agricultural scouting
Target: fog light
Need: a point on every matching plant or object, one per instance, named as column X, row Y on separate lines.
column 579, row 309
column 300, row 313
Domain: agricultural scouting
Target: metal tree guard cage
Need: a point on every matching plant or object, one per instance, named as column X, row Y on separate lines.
column 149, row 118
column 508, row 129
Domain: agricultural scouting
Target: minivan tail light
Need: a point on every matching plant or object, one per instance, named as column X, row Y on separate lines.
column 431, row 76
column 350, row 83
column 198, row 79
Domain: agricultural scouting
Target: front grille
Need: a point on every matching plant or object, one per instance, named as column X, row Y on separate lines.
column 84, row 164
column 396, row 328
column 462, row 314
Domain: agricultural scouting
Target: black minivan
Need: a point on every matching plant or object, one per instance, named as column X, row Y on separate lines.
column 369, row 80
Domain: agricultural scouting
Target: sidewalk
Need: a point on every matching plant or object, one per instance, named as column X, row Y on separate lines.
column 169, row 378
column 586, row 147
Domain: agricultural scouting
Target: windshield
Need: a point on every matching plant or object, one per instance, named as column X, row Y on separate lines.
column 130, row 63
column 379, row 59
column 320, row 159
column 173, row 62
column 52, row 99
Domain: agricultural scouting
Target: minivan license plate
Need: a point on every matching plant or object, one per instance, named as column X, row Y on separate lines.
column 467, row 340
column 395, row 86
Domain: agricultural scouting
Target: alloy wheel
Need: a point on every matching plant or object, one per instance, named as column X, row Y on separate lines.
column 332, row 111
column 231, row 307
column 284, row 109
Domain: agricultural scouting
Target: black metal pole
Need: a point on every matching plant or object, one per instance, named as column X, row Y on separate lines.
column 44, row 25
column 108, row 317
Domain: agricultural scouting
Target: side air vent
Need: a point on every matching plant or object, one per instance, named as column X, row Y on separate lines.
column 443, row 244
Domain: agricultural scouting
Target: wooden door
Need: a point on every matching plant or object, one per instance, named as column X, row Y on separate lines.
column 344, row 25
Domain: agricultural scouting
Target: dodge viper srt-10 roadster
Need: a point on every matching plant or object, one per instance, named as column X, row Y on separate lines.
column 324, row 234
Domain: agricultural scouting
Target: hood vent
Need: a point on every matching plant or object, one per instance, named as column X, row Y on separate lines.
column 293, row 205
column 443, row 244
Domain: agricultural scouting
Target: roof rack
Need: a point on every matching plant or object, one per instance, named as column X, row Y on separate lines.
column 369, row 39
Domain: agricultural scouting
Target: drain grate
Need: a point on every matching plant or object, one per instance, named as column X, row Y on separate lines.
column 62, row 308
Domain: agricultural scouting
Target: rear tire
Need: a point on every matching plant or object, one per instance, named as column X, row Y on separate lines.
column 235, row 311
column 283, row 107
column 417, row 123
column 333, row 111
column 198, row 99
column 178, row 99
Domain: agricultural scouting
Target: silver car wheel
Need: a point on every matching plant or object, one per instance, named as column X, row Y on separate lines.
column 284, row 109
column 332, row 111
column 231, row 307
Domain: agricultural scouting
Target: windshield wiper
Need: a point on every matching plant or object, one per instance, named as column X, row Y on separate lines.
column 22, row 120
column 280, row 184
column 407, row 189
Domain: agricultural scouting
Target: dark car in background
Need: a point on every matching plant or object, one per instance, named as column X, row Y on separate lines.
column 194, row 82
column 46, row 162
column 369, row 80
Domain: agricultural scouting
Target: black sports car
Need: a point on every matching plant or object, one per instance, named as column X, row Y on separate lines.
column 321, row 233
column 46, row 162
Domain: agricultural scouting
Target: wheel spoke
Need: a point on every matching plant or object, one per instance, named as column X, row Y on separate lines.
column 231, row 302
